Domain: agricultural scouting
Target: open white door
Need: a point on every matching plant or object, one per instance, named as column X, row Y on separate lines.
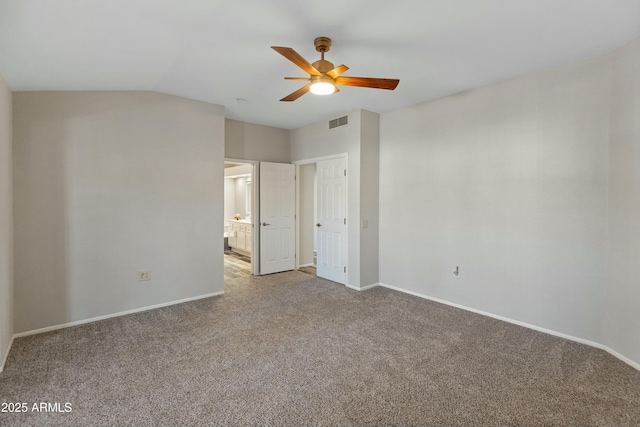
column 332, row 220
column 277, row 217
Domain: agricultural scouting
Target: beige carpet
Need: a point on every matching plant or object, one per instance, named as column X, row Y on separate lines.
column 291, row 349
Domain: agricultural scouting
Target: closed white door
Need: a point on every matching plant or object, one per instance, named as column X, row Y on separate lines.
column 277, row 217
column 331, row 227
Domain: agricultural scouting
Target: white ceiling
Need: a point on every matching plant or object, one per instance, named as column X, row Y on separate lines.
column 218, row 51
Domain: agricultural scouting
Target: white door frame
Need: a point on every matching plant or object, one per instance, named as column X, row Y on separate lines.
column 313, row 160
column 255, row 212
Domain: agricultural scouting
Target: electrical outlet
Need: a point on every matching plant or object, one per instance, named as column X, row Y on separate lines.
column 365, row 223
column 144, row 275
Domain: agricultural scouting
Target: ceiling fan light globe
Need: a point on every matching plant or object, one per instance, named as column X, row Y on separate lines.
column 322, row 88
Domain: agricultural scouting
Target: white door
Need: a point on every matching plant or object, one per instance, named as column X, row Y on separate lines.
column 277, row 217
column 332, row 220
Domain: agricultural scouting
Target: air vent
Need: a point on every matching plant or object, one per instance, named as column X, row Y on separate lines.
column 340, row 121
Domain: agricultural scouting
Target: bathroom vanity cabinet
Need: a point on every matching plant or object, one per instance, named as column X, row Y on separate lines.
column 240, row 236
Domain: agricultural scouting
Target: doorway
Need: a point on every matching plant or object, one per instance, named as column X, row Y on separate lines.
column 238, row 219
column 322, row 217
column 307, row 244
column 280, row 217
column 259, row 214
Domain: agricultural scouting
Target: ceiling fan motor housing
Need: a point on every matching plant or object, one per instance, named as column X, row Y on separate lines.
column 323, row 65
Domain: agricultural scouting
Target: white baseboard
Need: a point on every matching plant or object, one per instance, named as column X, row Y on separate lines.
column 614, row 353
column 95, row 319
column 6, row 354
column 625, row 359
column 108, row 316
column 473, row 310
column 363, row 288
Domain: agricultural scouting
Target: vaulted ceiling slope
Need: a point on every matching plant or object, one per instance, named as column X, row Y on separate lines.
column 219, row 51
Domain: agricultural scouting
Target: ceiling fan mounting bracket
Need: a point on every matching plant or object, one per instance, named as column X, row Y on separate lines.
column 322, row 44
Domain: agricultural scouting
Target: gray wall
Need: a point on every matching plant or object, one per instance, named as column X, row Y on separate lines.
column 622, row 285
column 6, row 221
column 107, row 184
column 369, row 197
column 531, row 187
column 249, row 141
column 360, row 140
column 508, row 182
column 317, row 140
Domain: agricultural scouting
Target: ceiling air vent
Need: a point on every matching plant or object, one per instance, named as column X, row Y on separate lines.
column 340, row 121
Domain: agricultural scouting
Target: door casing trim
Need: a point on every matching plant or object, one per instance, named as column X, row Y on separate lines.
column 314, row 160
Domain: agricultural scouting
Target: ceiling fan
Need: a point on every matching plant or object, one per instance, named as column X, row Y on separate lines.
column 323, row 76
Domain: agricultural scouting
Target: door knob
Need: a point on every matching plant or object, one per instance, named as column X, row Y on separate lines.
column 318, row 225
column 264, row 224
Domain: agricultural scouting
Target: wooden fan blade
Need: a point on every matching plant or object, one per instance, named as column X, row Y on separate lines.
column 389, row 84
column 295, row 57
column 337, row 71
column 297, row 78
column 297, row 94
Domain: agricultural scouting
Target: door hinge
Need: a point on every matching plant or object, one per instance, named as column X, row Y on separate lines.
column 345, row 172
column 345, row 269
column 345, row 221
